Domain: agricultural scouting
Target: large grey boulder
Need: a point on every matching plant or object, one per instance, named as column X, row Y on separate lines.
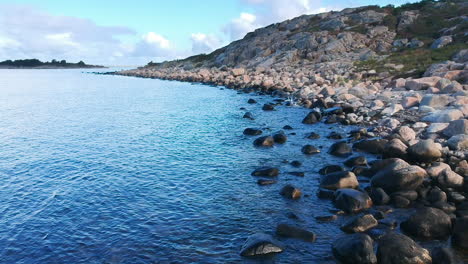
column 458, row 142
column 339, row 180
column 398, row 176
column 260, row 244
column 425, row 151
column 396, row 248
column 456, row 127
column 428, row 223
column 355, row 248
column 435, row 101
column 443, row 116
column 352, row 201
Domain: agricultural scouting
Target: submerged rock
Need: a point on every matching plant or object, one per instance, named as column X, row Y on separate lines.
column 252, row 132
column 310, row 150
column 291, row 192
column 280, row 138
column 266, row 141
column 266, row 172
column 260, row 244
column 295, row 232
column 340, row 149
column 312, row 118
column 353, row 249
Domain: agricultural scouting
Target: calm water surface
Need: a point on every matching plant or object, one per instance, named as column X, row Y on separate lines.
column 110, row 169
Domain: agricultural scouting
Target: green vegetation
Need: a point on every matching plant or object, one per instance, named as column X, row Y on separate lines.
column 414, row 61
column 35, row 63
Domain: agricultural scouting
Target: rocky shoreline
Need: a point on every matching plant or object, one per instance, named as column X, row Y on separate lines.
column 418, row 127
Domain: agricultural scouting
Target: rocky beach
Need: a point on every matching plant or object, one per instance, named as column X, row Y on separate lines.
column 399, row 75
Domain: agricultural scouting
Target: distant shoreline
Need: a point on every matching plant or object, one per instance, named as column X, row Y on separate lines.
column 51, row 67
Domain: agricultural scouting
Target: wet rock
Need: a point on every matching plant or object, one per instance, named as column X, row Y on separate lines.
column 352, row 201
column 326, row 194
column 260, row 244
column 400, row 202
column 280, row 138
column 436, row 195
column 456, row 127
column 396, row 248
column 460, row 233
column 326, row 218
column 266, row 172
column 251, row 101
column 287, row 127
column 428, row 223
column 436, row 169
column 312, row 136
column 330, row 169
column 263, row 182
column 312, row 118
column 266, row 141
column 268, row 107
column 339, row 180
column 340, row 149
column 373, row 146
column 443, row 255
column 249, row 115
column 398, row 176
column 297, row 173
column 406, row 133
column 296, row 163
column 359, row 224
column 252, row 132
column 335, row 135
column 425, row 151
column 291, row 192
column 295, row 232
column 409, row 194
column 355, row 248
column 356, row 161
column 379, row 196
column 310, row 150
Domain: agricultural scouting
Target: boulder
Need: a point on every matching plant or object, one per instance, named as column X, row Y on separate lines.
column 373, row 146
column 352, row 201
column 310, row 150
column 251, row 101
column 248, row 115
column 436, row 127
column 422, row 83
column 268, row 107
column 425, row 151
column 379, row 196
column 435, row 101
column 406, row 133
column 450, row 179
column 436, row 169
column 280, row 138
column 458, row 142
column 330, row 169
column 291, row 192
column 266, row 141
column 340, row 149
column 460, row 233
column 456, row 127
column 398, row 177
column 339, row 180
column 359, row 224
column 355, row 248
column 443, row 116
column 289, row 231
column 252, row 132
column 441, row 42
column 396, row 248
column 444, row 255
column 266, row 172
column 395, row 148
column 356, row 161
column 260, row 244
column 312, row 118
column 428, row 223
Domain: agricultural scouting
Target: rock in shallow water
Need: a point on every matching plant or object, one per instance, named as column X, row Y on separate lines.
column 260, row 244
column 312, row 118
column 310, row 150
column 359, row 224
column 291, row 192
column 295, row 232
column 398, row 176
column 428, row 223
column 373, row 146
column 266, row 141
column 355, row 248
column 339, row 180
column 352, row 201
column 252, row 132
column 340, row 149
column 266, row 172
column 396, row 248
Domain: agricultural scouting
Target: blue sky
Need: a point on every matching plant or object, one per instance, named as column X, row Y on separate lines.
column 135, row 32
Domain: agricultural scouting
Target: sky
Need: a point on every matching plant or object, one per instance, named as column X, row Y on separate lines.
column 135, row 32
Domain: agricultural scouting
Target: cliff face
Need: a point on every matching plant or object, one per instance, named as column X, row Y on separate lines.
column 304, row 55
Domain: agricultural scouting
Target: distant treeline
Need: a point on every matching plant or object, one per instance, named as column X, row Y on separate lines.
column 35, row 63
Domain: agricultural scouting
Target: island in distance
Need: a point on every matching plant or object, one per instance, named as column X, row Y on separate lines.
column 37, row 64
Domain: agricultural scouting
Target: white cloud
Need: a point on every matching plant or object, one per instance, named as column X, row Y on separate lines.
column 240, row 26
column 203, row 43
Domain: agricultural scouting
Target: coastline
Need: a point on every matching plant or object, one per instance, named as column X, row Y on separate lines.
column 416, row 136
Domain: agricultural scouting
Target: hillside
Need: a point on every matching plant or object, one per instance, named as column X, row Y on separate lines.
column 302, row 56
column 37, row 64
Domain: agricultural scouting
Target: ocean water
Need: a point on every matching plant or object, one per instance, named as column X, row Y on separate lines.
column 112, row 169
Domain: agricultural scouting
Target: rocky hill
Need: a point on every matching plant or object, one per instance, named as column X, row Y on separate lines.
column 338, row 56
